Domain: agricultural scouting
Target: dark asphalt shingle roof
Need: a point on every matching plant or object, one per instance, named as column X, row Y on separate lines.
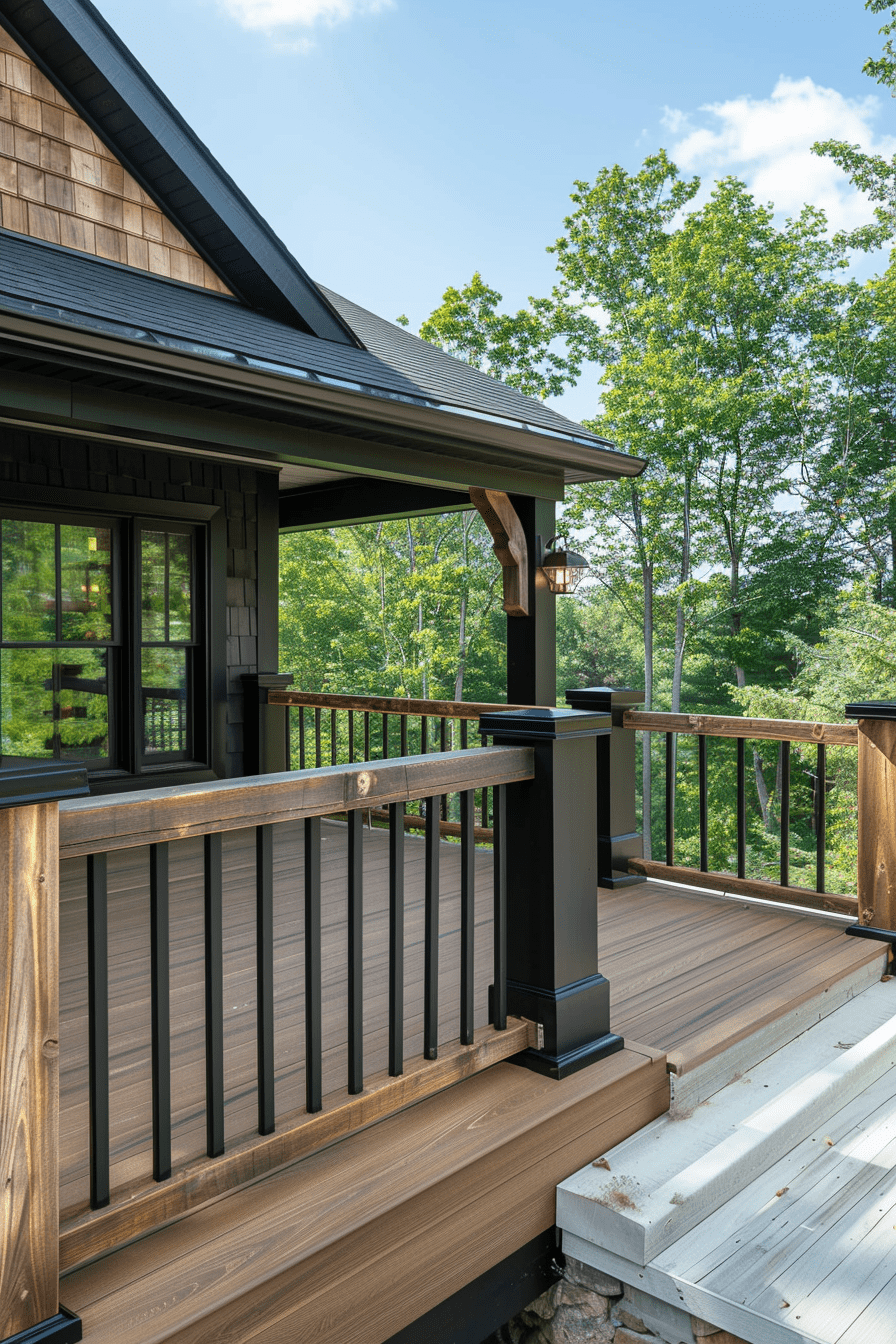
column 395, row 362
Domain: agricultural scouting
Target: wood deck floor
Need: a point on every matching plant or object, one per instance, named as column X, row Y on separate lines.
column 693, row 974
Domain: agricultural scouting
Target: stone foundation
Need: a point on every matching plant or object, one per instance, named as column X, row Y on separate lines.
column 588, row 1307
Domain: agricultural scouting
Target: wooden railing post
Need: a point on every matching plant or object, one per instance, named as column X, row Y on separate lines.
column 265, row 727
column 552, row 973
column 877, row 817
column 29, row 1053
column 619, row 837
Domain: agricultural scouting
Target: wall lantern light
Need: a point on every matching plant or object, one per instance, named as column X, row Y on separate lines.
column 563, row 569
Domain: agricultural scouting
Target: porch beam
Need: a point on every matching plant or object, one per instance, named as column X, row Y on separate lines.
column 364, row 499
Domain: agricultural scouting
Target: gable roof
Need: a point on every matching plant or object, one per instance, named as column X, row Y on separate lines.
column 78, row 51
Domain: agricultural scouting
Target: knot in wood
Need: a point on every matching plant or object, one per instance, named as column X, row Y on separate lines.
column 364, row 781
column 50, row 1048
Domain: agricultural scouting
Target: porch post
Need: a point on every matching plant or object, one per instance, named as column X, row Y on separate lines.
column 877, row 818
column 531, row 640
column 265, row 727
column 618, row 835
column 29, row 1053
column 552, row 974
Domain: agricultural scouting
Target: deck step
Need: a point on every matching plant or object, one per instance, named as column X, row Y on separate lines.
column 653, row 1188
column 424, row 1202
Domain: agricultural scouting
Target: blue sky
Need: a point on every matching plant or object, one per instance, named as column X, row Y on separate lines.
column 398, row 147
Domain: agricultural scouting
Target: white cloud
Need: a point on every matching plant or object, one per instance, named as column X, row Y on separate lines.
column 768, row 142
column 272, row 16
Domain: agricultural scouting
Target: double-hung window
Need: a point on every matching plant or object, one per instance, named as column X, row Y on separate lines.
column 101, row 642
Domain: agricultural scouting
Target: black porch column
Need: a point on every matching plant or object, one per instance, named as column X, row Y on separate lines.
column 618, row 836
column 531, row 640
column 265, row 726
column 552, row 975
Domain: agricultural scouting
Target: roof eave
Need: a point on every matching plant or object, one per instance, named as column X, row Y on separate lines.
column 577, row 462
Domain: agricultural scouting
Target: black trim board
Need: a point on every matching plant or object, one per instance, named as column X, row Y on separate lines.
column 363, row 500
column 81, row 54
column 43, row 402
column 487, row 1303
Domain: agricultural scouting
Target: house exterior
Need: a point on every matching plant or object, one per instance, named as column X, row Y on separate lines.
column 175, row 385
column 174, row 391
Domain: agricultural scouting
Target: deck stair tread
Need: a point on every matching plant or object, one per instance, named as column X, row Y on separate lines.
column 804, row 1250
column 236, row 1268
column 661, row 1183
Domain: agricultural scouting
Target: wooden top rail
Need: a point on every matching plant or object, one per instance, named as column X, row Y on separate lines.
column 381, row 704
column 721, row 725
column 123, row 820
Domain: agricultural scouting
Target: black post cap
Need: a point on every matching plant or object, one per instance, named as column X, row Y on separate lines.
column 871, row 709
column 42, row 783
column 543, row 724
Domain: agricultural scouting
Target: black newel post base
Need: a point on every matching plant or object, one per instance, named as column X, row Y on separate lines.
column 552, row 973
column 619, row 837
column 575, row 1022
column 63, row 1328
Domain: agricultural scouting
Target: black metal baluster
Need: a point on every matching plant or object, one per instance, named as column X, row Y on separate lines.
column 424, row 735
column 485, row 805
column 741, row 809
column 463, row 734
column 385, row 737
column 499, row 851
column 333, row 737
column 467, row 914
column 670, row 798
column 404, row 735
column 160, row 963
column 302, row 737
column 313, row 1025
column 443, row 746
column 367, row 735
column 396, row 938
column 318, row 759
column 431, row 932
column 784, row 758
column 351, row 737
column 355, row 953
column 214, row 997
column 821, row 770
column 264, row 963
column 287, row 730
column 98, row 1027
column 701, row 770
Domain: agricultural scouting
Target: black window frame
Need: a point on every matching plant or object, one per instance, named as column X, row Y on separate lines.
column 129, row 765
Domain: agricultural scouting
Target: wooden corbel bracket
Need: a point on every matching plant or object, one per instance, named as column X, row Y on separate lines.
column 510, row 547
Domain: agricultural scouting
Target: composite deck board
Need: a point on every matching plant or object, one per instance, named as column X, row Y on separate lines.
column 691, row 974
column 423, row 1203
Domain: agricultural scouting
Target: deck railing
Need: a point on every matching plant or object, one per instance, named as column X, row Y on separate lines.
column 98, row 827
column 787, row 733
column 323, row 729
